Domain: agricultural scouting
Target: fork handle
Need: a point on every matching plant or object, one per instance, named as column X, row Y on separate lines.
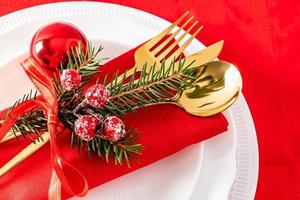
column 25, row 153
column 10, row 135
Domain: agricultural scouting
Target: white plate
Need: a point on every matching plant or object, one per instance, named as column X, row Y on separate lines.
column 224, row 167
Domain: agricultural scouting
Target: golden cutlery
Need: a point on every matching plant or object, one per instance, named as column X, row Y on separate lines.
column 208, row 54
column 199, row 58
column 150, row 53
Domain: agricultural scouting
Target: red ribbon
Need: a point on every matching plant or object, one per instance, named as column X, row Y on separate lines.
column 49, row 104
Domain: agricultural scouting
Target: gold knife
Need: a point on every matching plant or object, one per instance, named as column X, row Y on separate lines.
column 206, row 55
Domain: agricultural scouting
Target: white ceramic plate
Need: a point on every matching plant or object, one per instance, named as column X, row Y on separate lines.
column 224, row 167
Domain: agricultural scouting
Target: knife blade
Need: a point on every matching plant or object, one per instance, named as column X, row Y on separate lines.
column 205, row 55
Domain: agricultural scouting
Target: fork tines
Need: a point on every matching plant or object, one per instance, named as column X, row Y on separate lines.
column 165, row 45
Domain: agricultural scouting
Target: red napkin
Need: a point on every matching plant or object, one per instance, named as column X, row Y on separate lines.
column 165, row 129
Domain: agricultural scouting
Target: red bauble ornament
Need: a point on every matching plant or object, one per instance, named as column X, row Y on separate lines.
column 113, row 128
column 51, row 43
column 70, row 79
column 97, row 95
column 85, row 127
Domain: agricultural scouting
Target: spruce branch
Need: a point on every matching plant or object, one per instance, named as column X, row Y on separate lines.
column 152, row 87
column 32, row 94
column 84, row 60
column 122, row 150
column 32, row 122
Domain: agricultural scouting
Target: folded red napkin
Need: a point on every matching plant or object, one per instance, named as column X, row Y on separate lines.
column 165, row 129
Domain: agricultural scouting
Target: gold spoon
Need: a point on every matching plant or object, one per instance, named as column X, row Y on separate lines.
column 217, row 87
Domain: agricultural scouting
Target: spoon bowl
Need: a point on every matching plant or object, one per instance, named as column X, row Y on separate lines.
column 217, row 88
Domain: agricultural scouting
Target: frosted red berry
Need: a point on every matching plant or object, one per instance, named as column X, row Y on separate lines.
column 113, row 128
column 85, row 127
column 97, row 95
column 70, row 79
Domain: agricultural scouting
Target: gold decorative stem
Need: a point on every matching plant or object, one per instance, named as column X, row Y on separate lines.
column 10, row 135
column 26, row 152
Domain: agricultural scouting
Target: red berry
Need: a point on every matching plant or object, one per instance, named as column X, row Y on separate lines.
column 113, row 128
column 70, row 79
column 85, row 127
column 97, row 95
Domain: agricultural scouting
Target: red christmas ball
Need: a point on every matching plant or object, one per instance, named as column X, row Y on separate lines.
column 97, row 95
column 51, row 43
column 113, row 128
column 70, row 79
column 85, row 127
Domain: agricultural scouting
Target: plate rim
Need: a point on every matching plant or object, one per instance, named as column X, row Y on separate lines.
column 9, row 21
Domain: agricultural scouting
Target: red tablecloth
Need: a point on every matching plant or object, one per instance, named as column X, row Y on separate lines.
column 260, row 38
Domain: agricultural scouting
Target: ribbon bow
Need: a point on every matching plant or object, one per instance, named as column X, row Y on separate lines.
column 62, row 170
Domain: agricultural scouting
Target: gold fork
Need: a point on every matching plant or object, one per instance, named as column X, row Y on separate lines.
column 154, row 52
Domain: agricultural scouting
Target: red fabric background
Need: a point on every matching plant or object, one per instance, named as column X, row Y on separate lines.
column 260, row 38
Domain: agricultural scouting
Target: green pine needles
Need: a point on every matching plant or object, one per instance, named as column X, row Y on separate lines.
column 154, row 86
